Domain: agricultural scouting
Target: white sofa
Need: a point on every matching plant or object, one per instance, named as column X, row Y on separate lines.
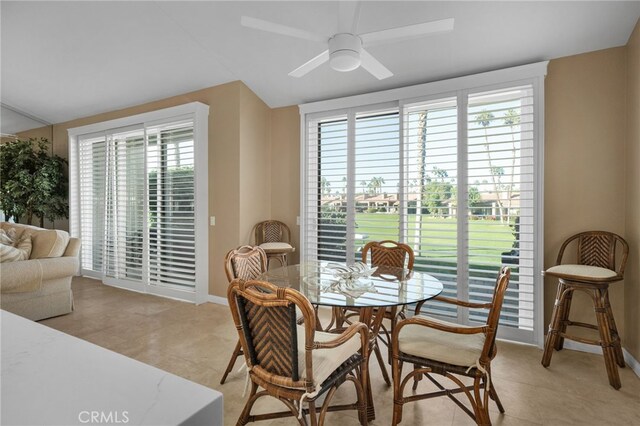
column 40, row 287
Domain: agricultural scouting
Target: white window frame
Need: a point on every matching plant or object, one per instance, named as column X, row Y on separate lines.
column 197, row 111
column 460, row 87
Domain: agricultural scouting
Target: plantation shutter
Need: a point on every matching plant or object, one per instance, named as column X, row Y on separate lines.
column 430, row 191
column 170, row 165
column 91, row 177
column 377, row 177
column 124, row 205
column 500, row 163
column 326, row 214
column 455, row 177
column 118, row 171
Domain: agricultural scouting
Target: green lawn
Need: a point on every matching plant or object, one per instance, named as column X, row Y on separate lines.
column 488, row 238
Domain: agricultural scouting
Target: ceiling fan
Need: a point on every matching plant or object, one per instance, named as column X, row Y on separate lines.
column 345, row 49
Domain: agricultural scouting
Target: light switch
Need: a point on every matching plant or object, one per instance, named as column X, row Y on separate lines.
column 298, row 220
column 212, row 221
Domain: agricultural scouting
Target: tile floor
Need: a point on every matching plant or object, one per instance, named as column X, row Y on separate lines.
column 195, row 342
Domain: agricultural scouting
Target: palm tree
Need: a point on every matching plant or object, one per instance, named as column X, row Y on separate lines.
column 485, row 118
column 363, row 184
column 376, row 184
column 325, row 186
column 511, row 119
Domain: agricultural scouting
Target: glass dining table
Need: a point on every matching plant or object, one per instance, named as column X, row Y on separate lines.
column 387, row 289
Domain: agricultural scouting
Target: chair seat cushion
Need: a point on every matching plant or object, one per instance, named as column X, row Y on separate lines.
column 442, row 346
column 326, row 361
column 276, row 247
column 584, row 271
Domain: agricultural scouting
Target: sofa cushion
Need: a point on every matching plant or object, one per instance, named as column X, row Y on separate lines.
column 46, row 242
column 49, row 243
column 21, row 250
column 8, row 236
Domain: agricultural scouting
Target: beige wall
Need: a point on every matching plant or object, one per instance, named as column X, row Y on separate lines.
column 255, row 166
column 632, row 232
column 585, row 133
column 238, row 125
column 285, row 171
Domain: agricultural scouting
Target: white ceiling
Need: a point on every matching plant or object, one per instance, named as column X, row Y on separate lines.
column 64, row 60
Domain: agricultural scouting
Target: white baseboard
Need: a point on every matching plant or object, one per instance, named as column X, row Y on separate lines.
column 218, row 300
column 631, row 362
column 593, row 349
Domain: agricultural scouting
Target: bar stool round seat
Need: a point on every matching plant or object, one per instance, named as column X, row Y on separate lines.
column 592, row 274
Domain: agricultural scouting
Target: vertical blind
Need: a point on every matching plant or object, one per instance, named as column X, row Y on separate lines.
column 452, row 177
column 136, row 196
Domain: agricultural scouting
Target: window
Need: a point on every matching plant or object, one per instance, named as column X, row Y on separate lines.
column 454, row 174
column 134, row 205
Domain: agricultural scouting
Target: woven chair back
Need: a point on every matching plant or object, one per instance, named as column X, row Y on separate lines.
column 245, row 263
column 388, row 253
column 271, row 335
column 272, row 231
column 598, row 248
column 266, row 316
column 493, row 318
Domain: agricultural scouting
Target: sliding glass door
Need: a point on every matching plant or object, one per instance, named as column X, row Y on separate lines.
column 452, row 176
column 137, row 206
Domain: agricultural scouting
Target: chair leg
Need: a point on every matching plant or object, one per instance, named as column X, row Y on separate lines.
column 396, row 373
column 383, row 368
column 246, row 411
column 416, row 378
column 604, row 329
column 564, row 318
column 481, row 410
column 552, row 333
column 494, row 395
column 236, row 353
column 312, row 413
column 614, row 332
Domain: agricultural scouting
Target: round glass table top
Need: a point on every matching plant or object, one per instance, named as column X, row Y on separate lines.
column 320, row 282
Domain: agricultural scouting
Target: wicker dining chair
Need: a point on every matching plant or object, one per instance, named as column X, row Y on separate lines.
column 439, row 347
column 274, row 237
column 595, row 269
column 293, row 362
column 245, row 263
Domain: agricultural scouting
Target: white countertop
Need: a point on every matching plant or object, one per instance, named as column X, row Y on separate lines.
column 52, row 378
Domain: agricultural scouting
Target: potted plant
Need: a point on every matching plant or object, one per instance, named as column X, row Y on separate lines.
column 33, row 182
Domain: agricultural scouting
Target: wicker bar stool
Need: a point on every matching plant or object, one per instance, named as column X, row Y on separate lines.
column 594, row 271
column 274, row 237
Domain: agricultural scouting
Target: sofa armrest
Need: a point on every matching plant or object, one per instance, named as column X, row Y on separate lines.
column 27, row 275
column 58, row 267
column 73, row 248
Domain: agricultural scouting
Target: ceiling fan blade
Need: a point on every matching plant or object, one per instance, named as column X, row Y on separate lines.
column 272, row 27
column 406, row 32
column 374, row 66
column 348, row 15
column 310, row 65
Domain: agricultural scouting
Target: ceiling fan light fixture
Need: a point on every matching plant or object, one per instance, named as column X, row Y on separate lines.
column 344, row 60
column 344, row 52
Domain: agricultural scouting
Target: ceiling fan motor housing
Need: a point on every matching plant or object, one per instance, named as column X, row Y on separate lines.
column 344, row 52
